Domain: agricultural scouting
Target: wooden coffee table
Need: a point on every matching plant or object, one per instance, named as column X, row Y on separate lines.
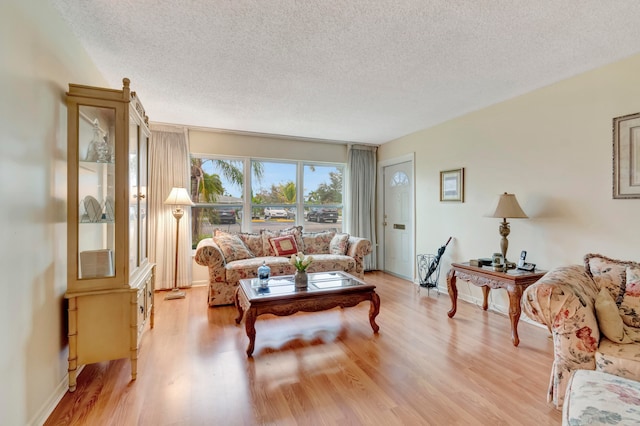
column 326, row 290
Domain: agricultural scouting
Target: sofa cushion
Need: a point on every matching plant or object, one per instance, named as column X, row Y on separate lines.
column 630, row 305
column 594, row 398
column 284, row 245
column 608, row 273
column 609, row 319
column 339, row 244
column 619, row 359
column 317, row 242
column 232, row 247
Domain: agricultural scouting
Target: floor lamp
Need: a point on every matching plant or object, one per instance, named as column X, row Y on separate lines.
column 178, row 197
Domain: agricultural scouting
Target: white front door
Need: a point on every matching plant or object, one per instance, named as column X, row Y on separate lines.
column 398, row 219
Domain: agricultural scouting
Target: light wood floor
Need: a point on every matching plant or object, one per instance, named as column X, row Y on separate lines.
column 325, row 368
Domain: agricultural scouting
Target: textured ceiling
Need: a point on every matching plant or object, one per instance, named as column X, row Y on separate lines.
column 348, row 70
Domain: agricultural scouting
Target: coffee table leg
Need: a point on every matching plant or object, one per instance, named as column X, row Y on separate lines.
column 453, row 292
column 238, row 306
column 374, row 310
column 250, row 327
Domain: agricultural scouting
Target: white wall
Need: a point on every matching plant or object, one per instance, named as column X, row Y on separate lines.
column 553, row 149
column 39, row 57
column 268, row 147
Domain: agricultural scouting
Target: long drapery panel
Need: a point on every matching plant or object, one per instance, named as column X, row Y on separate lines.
column 168, row 168
column 362, row 198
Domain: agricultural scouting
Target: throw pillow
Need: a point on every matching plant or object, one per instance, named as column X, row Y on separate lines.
column 317, row 243
column 253, row 242
column 339, row 244
column 284, row 246
column 608, row 273
column 630, row 306
column 609, row 319
column 232, row 247
column 296, row 231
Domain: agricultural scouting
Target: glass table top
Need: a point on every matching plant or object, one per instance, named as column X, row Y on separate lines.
column 282, row 286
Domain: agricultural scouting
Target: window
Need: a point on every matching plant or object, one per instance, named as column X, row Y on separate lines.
column 217, row 190
column 269, row 198
column 323, row 196
column 273, row 193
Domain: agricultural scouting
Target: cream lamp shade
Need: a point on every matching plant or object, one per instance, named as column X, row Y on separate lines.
column 508, row 207
column 179, row 197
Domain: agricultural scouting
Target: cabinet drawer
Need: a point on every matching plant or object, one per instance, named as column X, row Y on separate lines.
column 141, row 310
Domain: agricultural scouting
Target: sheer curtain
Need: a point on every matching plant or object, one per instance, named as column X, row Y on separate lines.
column 168, row 167
column 361, row 203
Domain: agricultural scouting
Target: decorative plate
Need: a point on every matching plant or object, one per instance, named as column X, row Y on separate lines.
column 92, row 206
column 109, row 212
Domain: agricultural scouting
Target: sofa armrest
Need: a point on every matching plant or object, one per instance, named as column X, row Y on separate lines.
column 564, row 301
column 209, row 254
column 358, row 249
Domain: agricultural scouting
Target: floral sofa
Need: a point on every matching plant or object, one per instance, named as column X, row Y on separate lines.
column 231, row 257
column 593, row 313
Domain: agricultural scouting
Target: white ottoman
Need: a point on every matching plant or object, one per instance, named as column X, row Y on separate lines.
column 597, row 398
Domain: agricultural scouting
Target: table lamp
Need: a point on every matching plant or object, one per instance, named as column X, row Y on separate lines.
column 178, row 197
column 508, row 207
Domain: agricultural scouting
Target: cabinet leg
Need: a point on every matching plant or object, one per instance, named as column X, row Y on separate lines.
column 72, row 377
column 134, row 367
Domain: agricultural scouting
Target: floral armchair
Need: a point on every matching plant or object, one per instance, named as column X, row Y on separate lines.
column 593, row 314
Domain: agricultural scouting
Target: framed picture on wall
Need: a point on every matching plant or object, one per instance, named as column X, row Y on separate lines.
column 626, row 156
column 452, row 185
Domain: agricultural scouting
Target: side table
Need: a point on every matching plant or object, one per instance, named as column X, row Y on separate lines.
column 514, row 281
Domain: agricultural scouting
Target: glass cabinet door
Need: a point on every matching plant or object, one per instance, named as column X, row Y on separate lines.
column 138, row 181
column 96, row 192
column 143, row 186
column 134, row 242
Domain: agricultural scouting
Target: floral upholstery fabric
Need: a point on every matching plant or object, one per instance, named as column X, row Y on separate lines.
column 232, row 247
column 252, row 241
column 224, row 276
column 339, row 244
column 318, row 242
column 564, row 301
column 596, row 398
column 608, row 273
column 609, row 319
column 630, row 305
column 619, row 359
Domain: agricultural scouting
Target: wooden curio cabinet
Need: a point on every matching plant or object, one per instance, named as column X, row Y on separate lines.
column 110, row 280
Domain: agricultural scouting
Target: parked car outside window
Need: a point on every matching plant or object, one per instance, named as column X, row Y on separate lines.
column 323, row 214
column 223, row 215
column 274, row 213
